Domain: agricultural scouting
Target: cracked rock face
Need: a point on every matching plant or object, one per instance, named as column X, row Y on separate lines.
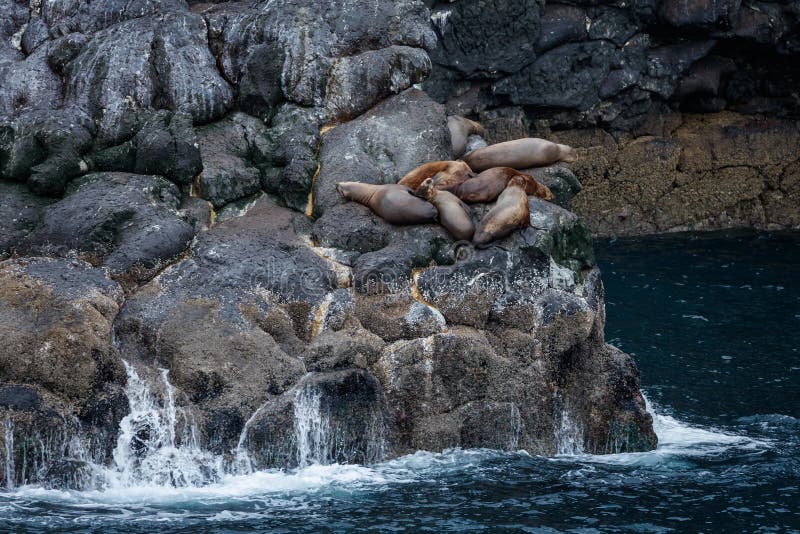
column 168, row 172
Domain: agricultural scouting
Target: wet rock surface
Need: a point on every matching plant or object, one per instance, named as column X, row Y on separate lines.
column 175, row 251
column 61, row 379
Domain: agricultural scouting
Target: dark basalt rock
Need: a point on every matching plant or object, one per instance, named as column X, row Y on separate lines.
column 160, row 61
column 563, row 77
column 488, row 39
column 65, row 16
column 700, row 13
column 64, row 49
column 20, row 213
column 119, row 220
column 356, row 82
column 165, row 144
column 561, row 181
column 55, row 322
column 29, row 84
column 231, row 149
column 223, row 319
column 561, row 24
column 321, row 55
column 350, row 401
column 290, row 155
column 45, row 148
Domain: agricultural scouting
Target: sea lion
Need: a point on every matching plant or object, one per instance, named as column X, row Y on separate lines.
column 454, row 215
column 444, row 181
column 394, row 203
column 488, row 185
column 454, row 170
column 460, row 129
column 520, row 154
column 510, row 212
column 536, row 188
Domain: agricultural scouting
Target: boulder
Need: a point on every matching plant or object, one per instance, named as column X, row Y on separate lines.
column 165, row 144
column 560, row 24
column 564, row 77
column 57, row 318
column 327, row 417
column 289, row 160
column 29, row 84
column 57, row 322
column 357, row 82
column 231, row 150
column 45, row 148
column 118, row 220
column 560, row 180
column 157, row 61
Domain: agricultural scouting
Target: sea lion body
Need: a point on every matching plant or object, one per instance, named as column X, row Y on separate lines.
column 485, row 187
column 519, row 154
column 510, row 213
column 454, row 215
column 394, row 203
column 488, row 185
column 449, row 170
column 449, row 181
column 460, row 130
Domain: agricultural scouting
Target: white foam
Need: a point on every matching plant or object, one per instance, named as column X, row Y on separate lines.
column 311, row 478
column 677, row 439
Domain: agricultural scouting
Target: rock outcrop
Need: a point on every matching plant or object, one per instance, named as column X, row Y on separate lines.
column 179, row 274
column 666, row 99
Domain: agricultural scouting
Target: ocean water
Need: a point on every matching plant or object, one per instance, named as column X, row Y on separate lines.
column 712, row 322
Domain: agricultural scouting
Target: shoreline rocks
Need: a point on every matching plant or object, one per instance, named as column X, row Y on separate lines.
column 199, row 249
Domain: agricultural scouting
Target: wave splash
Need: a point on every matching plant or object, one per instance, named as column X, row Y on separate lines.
column 158, row 459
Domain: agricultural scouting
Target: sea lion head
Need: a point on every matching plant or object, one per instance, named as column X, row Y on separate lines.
column 348, row 189
column 568, row 154
column 427, row 189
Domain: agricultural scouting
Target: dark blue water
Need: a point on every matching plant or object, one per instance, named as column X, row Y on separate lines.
column 713, row 324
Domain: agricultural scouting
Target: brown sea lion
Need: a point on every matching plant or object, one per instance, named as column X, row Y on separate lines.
column 537, row 189
column 445, row 181
column 488, row 185
column 460, row 129
column 394, row 203
column 510, row 213
column 454, row 170
column 454, row 215
column 520, row 154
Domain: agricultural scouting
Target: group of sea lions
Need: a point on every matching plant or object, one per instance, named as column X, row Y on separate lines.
column 441, row 190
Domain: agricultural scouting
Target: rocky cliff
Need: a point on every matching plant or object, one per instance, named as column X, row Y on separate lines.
column 184, row 293
column 686, row 113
